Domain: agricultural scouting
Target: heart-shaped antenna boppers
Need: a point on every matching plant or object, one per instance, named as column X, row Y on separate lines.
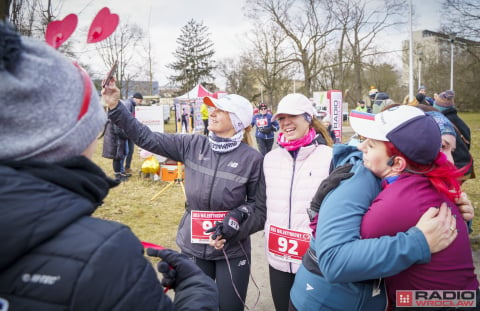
column 103, row 25
column 59, row 31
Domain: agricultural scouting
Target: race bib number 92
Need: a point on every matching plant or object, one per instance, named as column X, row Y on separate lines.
column 288, row 245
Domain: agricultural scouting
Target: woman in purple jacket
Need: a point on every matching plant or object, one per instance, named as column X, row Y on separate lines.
column 415, row 175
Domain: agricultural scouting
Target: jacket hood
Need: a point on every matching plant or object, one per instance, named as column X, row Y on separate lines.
column 343, row 154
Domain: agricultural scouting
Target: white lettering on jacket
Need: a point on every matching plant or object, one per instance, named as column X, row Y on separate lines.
column 40, row 278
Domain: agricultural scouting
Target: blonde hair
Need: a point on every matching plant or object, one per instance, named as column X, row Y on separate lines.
column 413, row 102
column 247, row 136
column 322, row 130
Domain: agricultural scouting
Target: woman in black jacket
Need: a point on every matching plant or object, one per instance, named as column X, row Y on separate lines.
column 222, row 175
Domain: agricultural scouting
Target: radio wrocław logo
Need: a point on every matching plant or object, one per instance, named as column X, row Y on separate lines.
column 436, row 298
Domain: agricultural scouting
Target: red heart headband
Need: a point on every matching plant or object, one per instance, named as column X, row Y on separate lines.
column 58, row 32
column 103, row 25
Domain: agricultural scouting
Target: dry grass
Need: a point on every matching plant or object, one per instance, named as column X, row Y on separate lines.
column 156, row 221
column 130, row 203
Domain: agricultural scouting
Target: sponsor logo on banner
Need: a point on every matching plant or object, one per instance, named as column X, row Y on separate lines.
column 336, row 105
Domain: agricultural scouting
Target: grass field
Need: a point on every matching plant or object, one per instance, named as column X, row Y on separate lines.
column 156, row 221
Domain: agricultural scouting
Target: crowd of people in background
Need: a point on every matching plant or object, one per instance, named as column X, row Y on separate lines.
column 345, row 225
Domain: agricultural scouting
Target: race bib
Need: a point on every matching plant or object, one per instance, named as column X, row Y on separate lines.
column 261, row 122
column 201, row 221
column 288, row 245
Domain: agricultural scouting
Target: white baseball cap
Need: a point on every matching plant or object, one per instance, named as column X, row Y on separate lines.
column 294, row 104
column 408, row 128
column 236, row 104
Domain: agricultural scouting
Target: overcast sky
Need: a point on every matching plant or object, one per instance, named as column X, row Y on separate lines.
column 224, row 19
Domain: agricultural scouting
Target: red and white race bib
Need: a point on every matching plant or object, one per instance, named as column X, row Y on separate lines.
column 288, row 245
column 201, row 221
column 261, row 122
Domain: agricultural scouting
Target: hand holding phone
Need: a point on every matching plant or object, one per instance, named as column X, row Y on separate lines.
column 111, row 74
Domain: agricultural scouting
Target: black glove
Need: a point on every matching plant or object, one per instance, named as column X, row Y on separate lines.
column 230, row 225
column 217, row 230
column 327, row 185
column 174, row 267
column 265, row 129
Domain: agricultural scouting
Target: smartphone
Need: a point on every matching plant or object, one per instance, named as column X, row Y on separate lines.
column 110, row 74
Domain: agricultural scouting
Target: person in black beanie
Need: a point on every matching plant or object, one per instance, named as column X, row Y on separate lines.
column 54, row 254
column 421, row 99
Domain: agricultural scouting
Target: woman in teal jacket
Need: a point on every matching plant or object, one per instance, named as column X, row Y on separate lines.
column 323, row 265
column 354, row 197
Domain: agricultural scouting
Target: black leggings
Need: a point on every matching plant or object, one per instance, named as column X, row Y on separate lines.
column 219, row 271
column 280, row 285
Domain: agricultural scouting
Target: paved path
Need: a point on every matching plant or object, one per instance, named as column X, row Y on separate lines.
column 260, row 276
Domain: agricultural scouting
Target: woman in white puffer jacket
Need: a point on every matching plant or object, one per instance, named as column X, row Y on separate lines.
column 293, row 172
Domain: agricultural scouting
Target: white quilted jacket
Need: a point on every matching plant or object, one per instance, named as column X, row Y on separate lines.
column 290, row 186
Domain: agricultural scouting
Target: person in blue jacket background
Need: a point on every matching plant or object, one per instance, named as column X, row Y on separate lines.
column 265, row 129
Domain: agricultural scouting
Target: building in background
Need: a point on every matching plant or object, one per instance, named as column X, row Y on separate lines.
column 432, row 53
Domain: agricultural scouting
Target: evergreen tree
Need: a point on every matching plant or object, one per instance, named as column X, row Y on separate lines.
column 194, row 63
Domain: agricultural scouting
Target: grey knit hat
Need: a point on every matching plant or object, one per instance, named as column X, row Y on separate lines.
column 444, row 99
column 46, row 112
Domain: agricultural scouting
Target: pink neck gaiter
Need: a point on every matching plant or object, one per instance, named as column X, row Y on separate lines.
column 296, row 144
